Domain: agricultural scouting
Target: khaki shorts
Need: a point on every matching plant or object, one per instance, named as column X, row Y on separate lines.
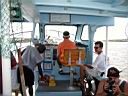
column 93, row 72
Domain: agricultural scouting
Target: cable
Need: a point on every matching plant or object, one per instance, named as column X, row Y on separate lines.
column 124, row 69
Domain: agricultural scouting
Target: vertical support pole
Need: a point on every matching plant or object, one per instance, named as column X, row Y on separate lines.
column 42, row 32
column 106, row 49
column 6, row 76
column 21, row 73
column 71, row 77
column 79, row 32
column 80, row 61
column 33, row 32
column 0, row 57
column 92, row 29
column 5, row 47
column 71, row 70
column 69, row 58
column 1, row 87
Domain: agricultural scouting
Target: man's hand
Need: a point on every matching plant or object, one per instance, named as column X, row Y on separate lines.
column 116, row 89
column 42, row 78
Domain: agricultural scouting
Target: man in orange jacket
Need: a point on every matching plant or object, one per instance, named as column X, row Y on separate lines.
column 65, row 44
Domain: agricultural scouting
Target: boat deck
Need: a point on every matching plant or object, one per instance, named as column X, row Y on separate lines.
column 61, row 89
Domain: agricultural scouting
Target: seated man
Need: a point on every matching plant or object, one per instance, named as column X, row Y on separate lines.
column 113, row 85
column 66, row 44
column 97, row 68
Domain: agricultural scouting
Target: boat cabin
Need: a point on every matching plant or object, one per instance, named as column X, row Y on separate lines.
column 80, row 17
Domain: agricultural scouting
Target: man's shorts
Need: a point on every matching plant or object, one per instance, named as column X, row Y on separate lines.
column 28, row 76
column 93, row 72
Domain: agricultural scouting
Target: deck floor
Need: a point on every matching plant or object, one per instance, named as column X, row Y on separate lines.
column 61, row 89
column 60, row 86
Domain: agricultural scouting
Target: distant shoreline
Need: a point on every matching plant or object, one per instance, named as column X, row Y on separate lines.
column 118, row 40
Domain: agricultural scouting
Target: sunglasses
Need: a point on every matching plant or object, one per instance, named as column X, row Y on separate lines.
column 96, row 47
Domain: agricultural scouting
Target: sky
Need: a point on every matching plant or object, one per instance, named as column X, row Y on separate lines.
column 118, row 31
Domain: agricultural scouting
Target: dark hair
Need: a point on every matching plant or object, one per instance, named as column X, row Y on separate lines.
column 100, row 44
column 41, row 47
column 66, row 34
column 114, row 72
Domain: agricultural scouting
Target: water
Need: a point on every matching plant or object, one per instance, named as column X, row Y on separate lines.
column 118, row 55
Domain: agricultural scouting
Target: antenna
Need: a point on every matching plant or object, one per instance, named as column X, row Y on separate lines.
column 124, row 69
column 126, row 30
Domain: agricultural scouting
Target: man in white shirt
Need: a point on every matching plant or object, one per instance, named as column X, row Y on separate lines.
column 98, row 67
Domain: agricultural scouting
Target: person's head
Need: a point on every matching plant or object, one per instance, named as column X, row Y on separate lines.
column 113, row 73
column 66, row 35
column 40, row 47
column 98, row 47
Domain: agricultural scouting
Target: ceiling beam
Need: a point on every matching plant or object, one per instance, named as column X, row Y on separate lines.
column 29, row 11
column 63, row 10
column 120, row 2
column 79, row 4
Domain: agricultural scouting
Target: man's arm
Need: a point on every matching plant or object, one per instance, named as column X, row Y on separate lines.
column 42, row 77
column 40, row 69
column 89, row 66
column 126, row 89
column 100, row 90
column 118, row 92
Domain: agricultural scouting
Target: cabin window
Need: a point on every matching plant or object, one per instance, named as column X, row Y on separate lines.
column 23, row 31
column 100, row 34
column 55, row 33
column 85, row 35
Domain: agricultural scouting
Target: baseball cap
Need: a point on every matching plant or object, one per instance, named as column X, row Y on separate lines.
column 114, row 72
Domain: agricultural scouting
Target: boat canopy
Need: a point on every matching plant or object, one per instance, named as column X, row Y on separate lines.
column 110, row 8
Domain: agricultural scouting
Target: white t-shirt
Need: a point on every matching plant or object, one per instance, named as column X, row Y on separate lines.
column 31, row 57
column 101, row 62
column 100, row 65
